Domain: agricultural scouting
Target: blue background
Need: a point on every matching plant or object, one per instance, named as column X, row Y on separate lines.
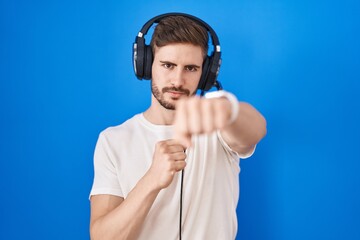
column 66, row 74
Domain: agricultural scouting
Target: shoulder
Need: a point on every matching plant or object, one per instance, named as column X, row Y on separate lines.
column 122, row 130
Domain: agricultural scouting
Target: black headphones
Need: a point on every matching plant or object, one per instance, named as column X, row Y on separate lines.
column 143, row 56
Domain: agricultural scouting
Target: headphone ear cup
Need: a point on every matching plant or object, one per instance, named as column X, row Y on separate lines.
column 205, row 70
column 212, row 71
column 148, row 60
column 210, row 76
column 138, row 57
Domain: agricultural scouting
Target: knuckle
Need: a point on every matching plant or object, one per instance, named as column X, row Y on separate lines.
column 182, row 165
column 159, row 144
column 181, row 157
column 162, row 149
column 206, row 105
column 167, row 157
column 194, row 100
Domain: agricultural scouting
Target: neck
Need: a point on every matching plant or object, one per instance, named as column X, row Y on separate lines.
column 159, row 115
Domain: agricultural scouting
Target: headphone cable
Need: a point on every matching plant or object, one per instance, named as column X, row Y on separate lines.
column 181, row 198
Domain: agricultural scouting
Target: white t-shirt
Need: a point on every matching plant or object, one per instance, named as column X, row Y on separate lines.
column 124, row 153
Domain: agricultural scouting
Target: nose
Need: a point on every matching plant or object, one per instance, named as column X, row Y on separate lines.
column 177, row 78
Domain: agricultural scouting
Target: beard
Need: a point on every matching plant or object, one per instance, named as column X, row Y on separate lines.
column 159, row 95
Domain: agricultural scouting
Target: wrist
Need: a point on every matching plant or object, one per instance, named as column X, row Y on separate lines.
column 151, row 182
column 232, row 100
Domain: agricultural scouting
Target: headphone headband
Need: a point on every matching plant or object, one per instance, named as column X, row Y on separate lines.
column 157, row 19
column 143, row 56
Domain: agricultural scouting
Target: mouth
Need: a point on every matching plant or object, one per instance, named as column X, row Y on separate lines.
column 176, row 94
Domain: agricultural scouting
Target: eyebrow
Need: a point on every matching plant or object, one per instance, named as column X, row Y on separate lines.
column 188, row 65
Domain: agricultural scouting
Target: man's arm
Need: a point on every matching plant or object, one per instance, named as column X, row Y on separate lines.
column 115, row 218
column 118, row 218
column 246, row 131
column 196, row 115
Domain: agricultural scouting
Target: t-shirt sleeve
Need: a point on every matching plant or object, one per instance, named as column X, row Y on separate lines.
column 232, row 152
column 105, row 175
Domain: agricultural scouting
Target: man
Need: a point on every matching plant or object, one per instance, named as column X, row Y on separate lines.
column 138, row 164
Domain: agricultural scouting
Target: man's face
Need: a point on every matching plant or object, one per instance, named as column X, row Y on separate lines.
column 176, row 72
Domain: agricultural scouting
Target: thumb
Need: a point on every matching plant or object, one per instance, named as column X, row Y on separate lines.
column 183, row 139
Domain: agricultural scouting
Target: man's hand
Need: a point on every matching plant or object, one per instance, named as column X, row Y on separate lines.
column 169, row 158
column 197, row 115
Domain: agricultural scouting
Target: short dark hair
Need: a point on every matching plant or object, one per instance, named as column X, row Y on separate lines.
column 179, row 29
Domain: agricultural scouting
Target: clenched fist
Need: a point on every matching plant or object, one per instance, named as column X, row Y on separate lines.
column 169, row 157
column 197, row 115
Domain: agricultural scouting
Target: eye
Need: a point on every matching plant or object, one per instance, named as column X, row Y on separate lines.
column 168, row 65
column 191, row 68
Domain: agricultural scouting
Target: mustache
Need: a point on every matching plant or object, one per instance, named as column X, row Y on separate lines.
column 175, row 89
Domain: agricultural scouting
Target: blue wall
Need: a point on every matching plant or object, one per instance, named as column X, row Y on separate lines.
column 66, row 74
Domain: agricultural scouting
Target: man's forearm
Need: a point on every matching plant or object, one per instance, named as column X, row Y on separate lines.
column 126, row 219
column 247, row 130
